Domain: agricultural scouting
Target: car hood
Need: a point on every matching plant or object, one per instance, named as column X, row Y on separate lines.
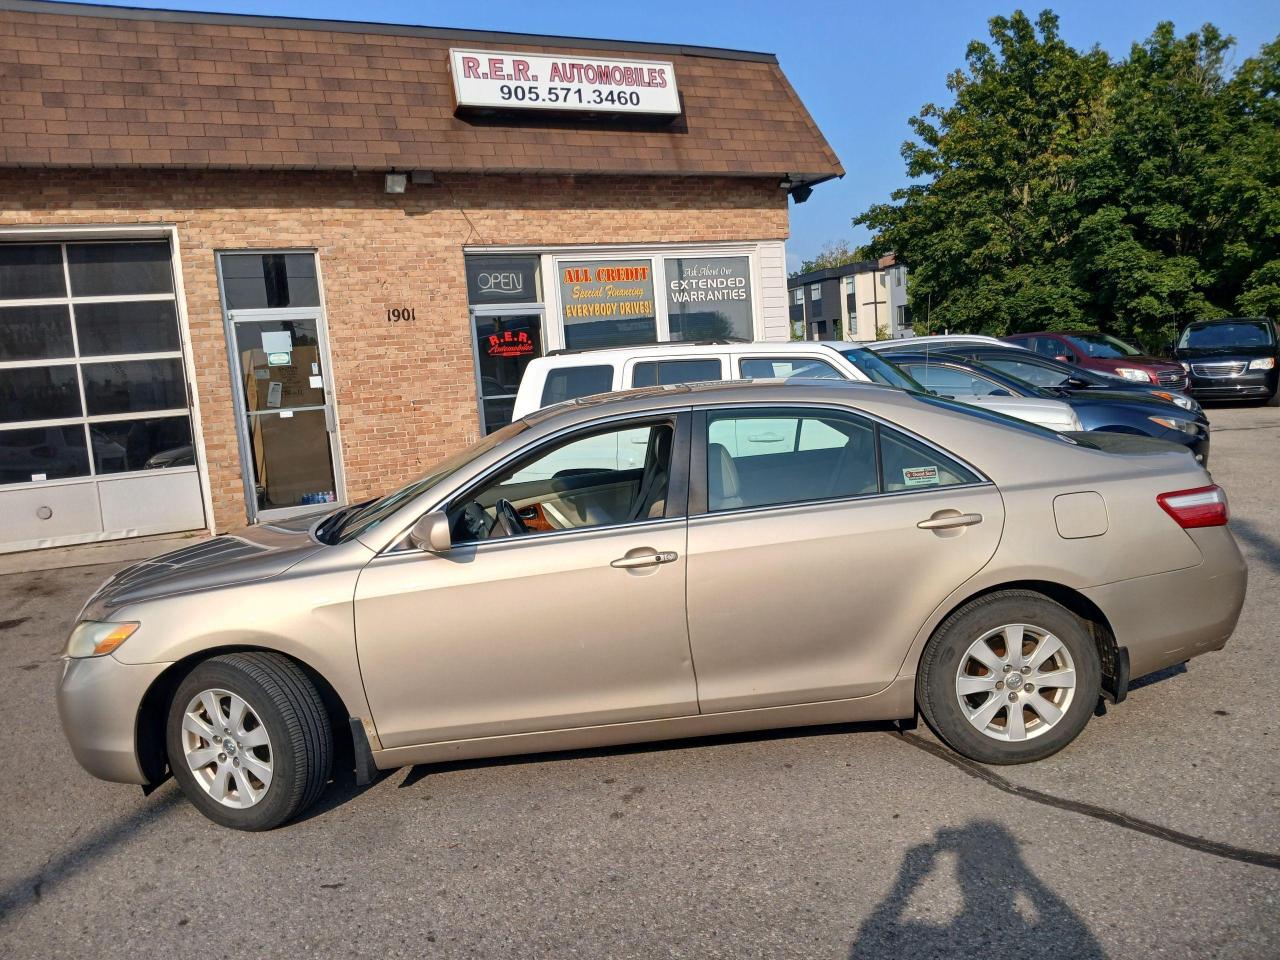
column 1225, row 353
column 1142, row 360
column 1053, row 414
column 258, row 553
column 1135, row 401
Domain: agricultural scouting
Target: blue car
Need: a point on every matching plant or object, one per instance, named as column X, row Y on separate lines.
column 1113, row 411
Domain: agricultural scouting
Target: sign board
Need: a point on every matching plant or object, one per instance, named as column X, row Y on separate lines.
column 278, row 359
column 502, row 279
column 607, row 302
column 501, row 80
column 709, row 298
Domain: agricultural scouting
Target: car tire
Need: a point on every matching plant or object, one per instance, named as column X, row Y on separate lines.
column 965, row 681
column 258, row 724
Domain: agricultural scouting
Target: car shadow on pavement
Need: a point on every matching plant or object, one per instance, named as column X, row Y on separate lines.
column 1005, row 907
column 63, row 865
column 421, row 771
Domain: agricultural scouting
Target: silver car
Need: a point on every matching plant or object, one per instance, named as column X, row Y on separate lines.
column 664, row 563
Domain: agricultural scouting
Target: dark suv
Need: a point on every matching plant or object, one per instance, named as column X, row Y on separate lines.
column 1232, row 358
column 1103, row 353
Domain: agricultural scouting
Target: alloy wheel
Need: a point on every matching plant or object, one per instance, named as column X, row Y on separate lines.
column 227, row 748
column 1015, row 682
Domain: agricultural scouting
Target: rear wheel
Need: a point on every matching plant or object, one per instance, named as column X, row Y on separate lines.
column 248, row 740
column 1009, row 678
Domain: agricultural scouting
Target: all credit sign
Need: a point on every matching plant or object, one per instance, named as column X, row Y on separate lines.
column 531, row 81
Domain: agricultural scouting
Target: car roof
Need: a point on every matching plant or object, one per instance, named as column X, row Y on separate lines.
column 782, row 391
column 610, row 354
column 1206, row 323
column 940, row 338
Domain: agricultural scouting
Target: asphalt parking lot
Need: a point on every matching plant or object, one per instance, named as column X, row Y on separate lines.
column 1156, row 834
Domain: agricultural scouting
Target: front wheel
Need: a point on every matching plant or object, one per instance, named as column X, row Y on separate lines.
column 249, row 740
column 1009, row 678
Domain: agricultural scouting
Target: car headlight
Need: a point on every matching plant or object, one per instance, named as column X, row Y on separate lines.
column 1262, row 363
column 92, row 638
column 1186, row 403
column 1132, row 373
column 1186, row 367
column 1172, row 423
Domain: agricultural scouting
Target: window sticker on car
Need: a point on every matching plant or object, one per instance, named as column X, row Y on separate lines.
column 920, row 476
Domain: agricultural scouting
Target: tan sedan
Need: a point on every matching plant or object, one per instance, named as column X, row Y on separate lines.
column 666, row 563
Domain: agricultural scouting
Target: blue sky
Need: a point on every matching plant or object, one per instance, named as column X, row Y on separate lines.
column 862, row 69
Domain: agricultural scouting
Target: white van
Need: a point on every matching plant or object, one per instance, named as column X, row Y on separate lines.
column 568, row 375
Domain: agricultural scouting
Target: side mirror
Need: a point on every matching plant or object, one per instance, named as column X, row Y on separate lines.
column 431, row 533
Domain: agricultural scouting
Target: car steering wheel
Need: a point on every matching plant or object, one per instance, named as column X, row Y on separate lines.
column 507, row 519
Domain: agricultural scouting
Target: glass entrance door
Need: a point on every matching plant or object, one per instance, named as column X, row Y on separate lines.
column 286, row 412
column 504, row 339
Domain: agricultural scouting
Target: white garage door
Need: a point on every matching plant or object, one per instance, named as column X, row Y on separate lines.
column 95, row 419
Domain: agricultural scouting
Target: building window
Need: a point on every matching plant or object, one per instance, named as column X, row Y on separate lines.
column 815, row 291
column 797, row 296
column 709, row 298
column 607, row 303
column 91, row 371
column 262, row 281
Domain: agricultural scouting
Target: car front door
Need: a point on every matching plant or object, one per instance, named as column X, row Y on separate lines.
column 577, row 620
column 809, row 570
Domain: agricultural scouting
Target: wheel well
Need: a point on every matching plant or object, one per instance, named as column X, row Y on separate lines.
column 1075, row 601
column 154, row 710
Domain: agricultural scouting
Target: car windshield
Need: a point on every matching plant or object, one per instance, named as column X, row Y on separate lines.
column 345, row 525
column 880, row 370
column 1237, row 333
column 1103, row 346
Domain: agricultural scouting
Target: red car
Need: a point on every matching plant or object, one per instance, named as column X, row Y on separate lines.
column 1104, row 354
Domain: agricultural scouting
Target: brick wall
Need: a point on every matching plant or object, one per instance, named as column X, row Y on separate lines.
column 405, row 392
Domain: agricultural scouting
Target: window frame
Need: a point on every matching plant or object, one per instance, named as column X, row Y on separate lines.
column 698, row 479
column 76, row 360
column 677, row 510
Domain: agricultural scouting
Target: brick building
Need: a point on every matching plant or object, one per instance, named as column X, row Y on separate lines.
column 250, row 266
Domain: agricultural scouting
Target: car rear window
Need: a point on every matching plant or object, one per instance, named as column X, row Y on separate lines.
column 570, row 383
column 661, row 373
column 767, row 368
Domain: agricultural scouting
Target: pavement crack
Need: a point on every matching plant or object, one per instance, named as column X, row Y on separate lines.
column 1256, row 858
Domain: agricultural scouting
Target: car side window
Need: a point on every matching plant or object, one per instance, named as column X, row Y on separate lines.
column 951, row 382
column 604, row 477
column 570, row 383
column 655, row 373
column 907, row 464
column 765, row 368
column 763, row 458
column 1045, row 346
column 1041, row 375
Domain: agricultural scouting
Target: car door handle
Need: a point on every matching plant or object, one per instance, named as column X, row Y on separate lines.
column 645, row 560
column 946, row 519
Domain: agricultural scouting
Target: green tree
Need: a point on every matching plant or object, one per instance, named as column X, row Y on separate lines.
column 835, row 253
column 1062, row 189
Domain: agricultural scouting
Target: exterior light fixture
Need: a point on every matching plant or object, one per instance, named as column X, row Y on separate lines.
column 786, row 183
column 396, row 182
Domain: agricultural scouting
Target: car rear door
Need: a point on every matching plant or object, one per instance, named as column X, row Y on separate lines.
column 810, row 575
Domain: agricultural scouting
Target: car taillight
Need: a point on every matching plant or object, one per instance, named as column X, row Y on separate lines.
column 1199, row 507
